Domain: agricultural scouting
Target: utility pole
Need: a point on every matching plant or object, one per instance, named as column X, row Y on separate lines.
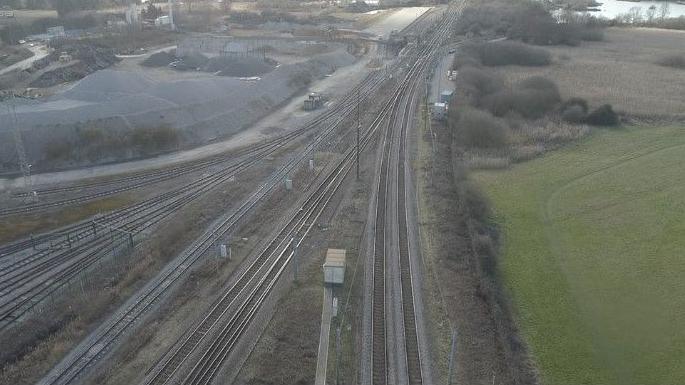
column 359, row 125
column 337, row 356
column 171, row 15
column 453, row 349
column 293, row 245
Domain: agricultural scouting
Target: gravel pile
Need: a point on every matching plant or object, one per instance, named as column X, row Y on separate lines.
column 102, row 85
column 91, row 58
column 222, row 66
column 202, row 108
column 160, row 59
column 238, row 66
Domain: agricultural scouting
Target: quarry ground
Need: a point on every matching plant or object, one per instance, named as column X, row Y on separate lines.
column 282, row 120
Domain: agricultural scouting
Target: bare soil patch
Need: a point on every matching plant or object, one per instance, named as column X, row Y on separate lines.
column 19, row 226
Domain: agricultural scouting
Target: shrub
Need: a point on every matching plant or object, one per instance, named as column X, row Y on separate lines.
column 675, row 61
column 540, row 83
column 573, row 114
column 477, row 83
column 530, row 22
column 462, row 61
column 532, row 98
column 508, row 53
column 154, row 139
column 575, row 101
column 603, row 116
column 591, row 34
column 480, row 129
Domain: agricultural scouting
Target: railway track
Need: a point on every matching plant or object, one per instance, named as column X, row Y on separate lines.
column 396, row 354
column 246, row 297
column 231, row 315
column 92, row 349
column 201, row 352
column 27, row 281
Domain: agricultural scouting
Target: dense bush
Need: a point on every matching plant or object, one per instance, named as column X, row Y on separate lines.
column 573, row 114
column 579, row 102
column 476, row 84
column 530, row 22
column 673, row 23
column 482, row 18
column 675, row 61
column 574, row 110
column 507, row 53
column 70, row 22
column 462, row 60
column 603, row 116
column 532, row 98
column 96, row 144
column 479, row 129
column 150, row 140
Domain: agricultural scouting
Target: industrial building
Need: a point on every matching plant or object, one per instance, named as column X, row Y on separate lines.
column 313, row 101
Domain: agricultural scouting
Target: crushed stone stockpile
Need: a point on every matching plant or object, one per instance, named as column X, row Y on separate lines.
column 88, row 58
column 238, row 66
column 160, row 59
column 222, row 66
column 202, row 108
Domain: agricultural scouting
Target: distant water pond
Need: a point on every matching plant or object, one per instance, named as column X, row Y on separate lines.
column 612, row 8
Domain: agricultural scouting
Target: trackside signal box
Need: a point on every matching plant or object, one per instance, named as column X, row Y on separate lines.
column 334, row 267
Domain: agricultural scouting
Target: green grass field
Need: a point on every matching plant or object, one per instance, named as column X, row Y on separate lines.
column 594, row 256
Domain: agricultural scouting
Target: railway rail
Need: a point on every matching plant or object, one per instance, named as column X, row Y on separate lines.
column 253, row 285
column 228, row 319
column 94, row 348
column 247, row 299
column 396, row 355
column 29, row 280
column 271, row 263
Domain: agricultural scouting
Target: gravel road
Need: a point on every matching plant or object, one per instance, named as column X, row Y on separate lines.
column 39, row 52
column 396, row 21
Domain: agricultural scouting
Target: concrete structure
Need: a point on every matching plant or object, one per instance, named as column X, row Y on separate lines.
column 446, row 96
column 162, row 20
column 314, row 100
column 334, row 267
column 64, row 57
column 56, row 32
column 324, row 341
column 439, row 111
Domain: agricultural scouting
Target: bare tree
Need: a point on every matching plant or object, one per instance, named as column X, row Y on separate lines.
column 226, row 5
column 651, row 12
column 635, row 15
column 665, row 10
